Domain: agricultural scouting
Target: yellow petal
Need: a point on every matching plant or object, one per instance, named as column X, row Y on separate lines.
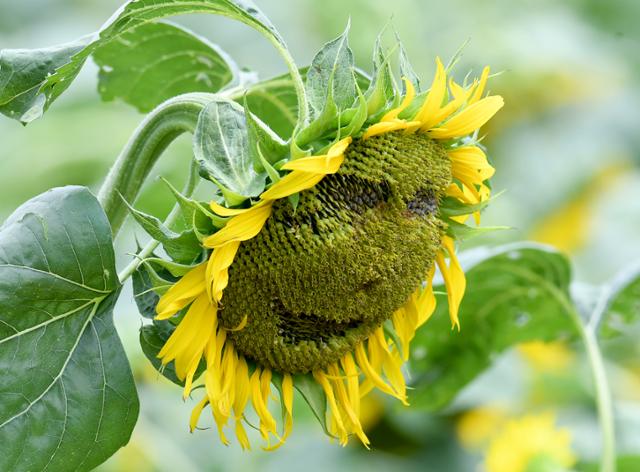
column 188, row 341
column 426, row 301
column 224, row 211
column 345, row 405
column 434, row 98
column 241, row 227
column 321, row 378
column 316, row 164
column 477, row 94
column 473, row 160
column 389, row 126
column 447, row 110
column 469, row 119
column 182, row 293
column 196, row 412
column 217, row 273
column 454, row 279
column 406, row 101
column 369, row 371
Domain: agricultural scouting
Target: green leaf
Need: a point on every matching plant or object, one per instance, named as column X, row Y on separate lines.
column 143, row 284
column 511, row 297
column 406, row 69
column 623, row 305
column 382, row 89
column 313, row 394
column 156, row 61
column 33, row 79
column 65, row 377
column 274, row 101
column 23, row 71
column 182, row 247
column 330, row 78
column 221, row 147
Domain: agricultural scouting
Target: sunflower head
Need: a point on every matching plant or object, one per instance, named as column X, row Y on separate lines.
column 318, row 280
column 322, row 275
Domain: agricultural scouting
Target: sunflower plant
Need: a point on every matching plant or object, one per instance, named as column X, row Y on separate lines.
column 333, row 199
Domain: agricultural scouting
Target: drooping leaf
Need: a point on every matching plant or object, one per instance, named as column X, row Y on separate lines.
column 182, row 247
column 23, row 71
column 511, row 297
column 25, row 96
column 623, row 307
column 65, row 380
column 330, row 78
column 221, row 147
column 156, row 61
column 314, row 396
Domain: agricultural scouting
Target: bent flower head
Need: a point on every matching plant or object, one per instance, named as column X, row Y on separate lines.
column 327, row 274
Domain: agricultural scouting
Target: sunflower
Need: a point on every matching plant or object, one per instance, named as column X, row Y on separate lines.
column 327, row 274
column 530, row 442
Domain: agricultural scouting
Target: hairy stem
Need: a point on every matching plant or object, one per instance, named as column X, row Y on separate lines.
column 298, row 84
column 162, row 126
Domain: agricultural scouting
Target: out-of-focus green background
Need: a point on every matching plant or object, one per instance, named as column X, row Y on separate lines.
column 567, row 152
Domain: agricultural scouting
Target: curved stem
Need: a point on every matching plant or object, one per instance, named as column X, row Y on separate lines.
column 602, row 391
column 163, row 125
column 298, row 83
column 147, row 250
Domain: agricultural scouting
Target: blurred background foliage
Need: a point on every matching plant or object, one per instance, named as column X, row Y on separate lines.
column 567, row 152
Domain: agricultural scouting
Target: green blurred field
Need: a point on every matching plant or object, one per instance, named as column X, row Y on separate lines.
column 567, row 152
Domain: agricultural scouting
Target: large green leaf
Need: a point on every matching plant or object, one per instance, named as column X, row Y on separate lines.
column 26, row 95
column 221, row 147
column 156, row 61
column 513, row 296
column 64, row 379
column 623, row 305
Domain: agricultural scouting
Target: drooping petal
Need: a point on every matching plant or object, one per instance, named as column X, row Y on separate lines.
column 454, row 279
column 426, row 303
column 187, row 343
column 217, row 273
column 182, row 293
